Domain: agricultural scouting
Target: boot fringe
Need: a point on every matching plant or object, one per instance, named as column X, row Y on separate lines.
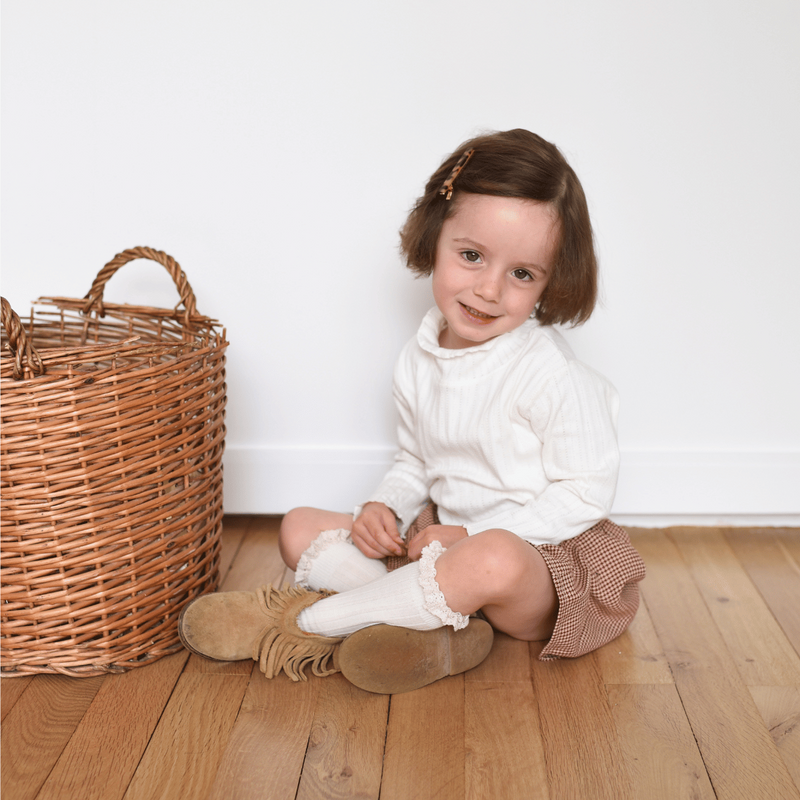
column 283, row 645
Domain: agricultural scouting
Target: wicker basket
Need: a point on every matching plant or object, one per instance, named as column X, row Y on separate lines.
column 112, row 439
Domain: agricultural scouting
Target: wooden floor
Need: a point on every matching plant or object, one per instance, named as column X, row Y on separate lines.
column 699, row 699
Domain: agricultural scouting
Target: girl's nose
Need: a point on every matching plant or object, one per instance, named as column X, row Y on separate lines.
column 488, row 287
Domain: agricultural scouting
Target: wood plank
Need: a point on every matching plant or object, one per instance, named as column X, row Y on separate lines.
column 741, row 759
column 37, row 730
column 345, row 750
column 770, row 563
column 474, row 736
column 424, row 756
column 258, row 560
column 780, row 708
column 264, row 755
column 234, row 529
column 657, row 743
column 789, row 541
column 760, row 649
column 581, row 747
column 508, row 660
column 207, row 666
column 11, row 690
column 637, row 656
column 503, row 743
column 185, row 751
column 288, row 577
column 102, row 755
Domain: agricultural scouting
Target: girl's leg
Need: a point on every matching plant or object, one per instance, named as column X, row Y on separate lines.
column 301, row 526
column 502, row 575
column 496, row 572
column 402, row 634
column 404, row 623
column 408, row 597
column 316, row 545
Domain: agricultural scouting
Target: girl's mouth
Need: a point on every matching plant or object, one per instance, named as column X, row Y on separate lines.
column 476, row 316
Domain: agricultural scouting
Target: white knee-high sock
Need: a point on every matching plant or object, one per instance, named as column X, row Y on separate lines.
column 409, row 597
column 333, row 562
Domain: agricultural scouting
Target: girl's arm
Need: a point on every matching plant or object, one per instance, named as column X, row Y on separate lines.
column 446, row 535
column 375, row 532
column 405, row 489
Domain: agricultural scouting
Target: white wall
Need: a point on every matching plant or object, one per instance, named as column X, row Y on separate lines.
column 273, row 148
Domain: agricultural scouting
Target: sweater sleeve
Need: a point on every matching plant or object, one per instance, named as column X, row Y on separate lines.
column 405, row 488
column 574, row 416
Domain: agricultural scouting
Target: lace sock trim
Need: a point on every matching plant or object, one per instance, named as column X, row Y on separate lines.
column 435, row 601
column 325, row 540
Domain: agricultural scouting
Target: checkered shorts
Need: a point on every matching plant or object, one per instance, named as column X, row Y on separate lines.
column 596, row 575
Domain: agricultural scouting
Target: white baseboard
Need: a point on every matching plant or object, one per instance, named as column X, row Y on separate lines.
column 272, row 480
column 655, row 488
column 707, row 520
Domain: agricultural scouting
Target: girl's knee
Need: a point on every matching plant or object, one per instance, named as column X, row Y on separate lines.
column 300, row 526
column 518, row 595
column 293, row 521
column 501, row 573
column 293, row 534
column 499, row 557
column 499, row 545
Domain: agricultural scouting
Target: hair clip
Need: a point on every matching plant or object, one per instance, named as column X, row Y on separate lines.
column 447, row 186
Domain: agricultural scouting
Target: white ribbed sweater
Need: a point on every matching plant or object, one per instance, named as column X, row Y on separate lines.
column 515, row 433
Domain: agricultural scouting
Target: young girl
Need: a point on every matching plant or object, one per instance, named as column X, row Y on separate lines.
column 507, row 461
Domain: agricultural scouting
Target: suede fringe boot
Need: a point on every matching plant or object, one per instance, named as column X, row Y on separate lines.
column 295, row 628
column 262, row 625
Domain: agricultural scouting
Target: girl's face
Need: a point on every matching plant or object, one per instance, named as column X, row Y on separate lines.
column 493, row 261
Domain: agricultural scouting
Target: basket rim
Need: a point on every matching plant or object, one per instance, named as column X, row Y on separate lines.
column 59, row 360
column 77, row 304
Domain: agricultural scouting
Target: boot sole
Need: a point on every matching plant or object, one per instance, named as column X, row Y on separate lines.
column 187, row 635
column 181, row 636
column 389, row 660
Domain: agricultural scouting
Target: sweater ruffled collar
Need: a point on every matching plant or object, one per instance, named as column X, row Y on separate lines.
column 489, row 354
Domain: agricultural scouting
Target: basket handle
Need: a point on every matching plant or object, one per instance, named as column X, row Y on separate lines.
column 94, row 298
column 26, row 357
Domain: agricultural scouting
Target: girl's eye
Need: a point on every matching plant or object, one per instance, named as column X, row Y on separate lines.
column 522, row 274
column 471, row 255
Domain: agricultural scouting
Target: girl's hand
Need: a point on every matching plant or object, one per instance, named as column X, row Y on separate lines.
column 375, row 532
column 448, row 535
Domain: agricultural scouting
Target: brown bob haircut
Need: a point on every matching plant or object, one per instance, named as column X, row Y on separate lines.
column 520, row 164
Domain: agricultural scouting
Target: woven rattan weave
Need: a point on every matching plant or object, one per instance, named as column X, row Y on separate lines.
column 111, row 463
